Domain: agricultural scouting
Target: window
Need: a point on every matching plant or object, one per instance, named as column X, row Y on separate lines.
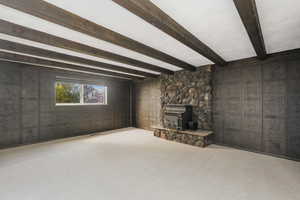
column 68, row 93
column 94, row 94
column 80, row 94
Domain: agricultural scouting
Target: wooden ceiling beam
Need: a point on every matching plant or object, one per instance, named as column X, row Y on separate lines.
column 146, row 10
column 56, row 15
column 45, row 38
column 249, row 15
column 25, row 49
column 38, row 61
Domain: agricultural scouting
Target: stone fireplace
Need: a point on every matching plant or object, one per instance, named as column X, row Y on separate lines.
column 184, row 88
column 179, row 98
column 189, row 88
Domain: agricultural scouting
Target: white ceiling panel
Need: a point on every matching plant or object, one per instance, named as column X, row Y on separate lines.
column 112, row 16
column 68, row 52
column 29, row 21
column 63, row 61
column 280, row 22
column 72, row 70
column 214, row 22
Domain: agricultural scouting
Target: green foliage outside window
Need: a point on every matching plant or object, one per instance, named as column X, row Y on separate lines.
column 67, row 92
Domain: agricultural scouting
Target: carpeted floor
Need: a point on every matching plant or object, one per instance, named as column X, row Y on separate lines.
column 131, row 164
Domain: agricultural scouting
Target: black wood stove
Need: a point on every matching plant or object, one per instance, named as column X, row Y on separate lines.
column 178, row 116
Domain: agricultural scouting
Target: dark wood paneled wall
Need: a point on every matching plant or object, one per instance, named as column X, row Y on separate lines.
column 147, row 103
column 28, row 113
column 256, row 104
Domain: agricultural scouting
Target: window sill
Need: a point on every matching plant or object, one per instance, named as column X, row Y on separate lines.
column 79, row 104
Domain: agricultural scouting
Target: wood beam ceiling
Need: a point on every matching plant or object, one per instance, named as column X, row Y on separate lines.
column 45, row 38
column 25, row 49
column 38, row 61
column 146, row 10
column 67, row 19
column 249, row 15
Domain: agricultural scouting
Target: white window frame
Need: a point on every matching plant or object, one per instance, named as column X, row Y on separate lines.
column 81, row 95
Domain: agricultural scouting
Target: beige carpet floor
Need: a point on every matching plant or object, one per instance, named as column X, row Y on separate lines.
column 131, row 164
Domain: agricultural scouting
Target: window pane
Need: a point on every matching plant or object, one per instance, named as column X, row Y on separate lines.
column 94, row 94
column 67, row 92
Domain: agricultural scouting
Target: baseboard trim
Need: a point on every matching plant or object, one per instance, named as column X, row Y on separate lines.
column 259, row 152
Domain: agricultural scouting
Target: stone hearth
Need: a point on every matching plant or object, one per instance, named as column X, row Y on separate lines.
column 198, row 138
